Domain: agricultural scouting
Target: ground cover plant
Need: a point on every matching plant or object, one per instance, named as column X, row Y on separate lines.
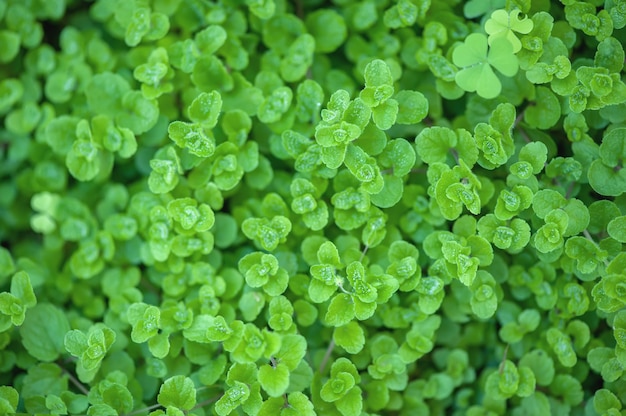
column 272, row 207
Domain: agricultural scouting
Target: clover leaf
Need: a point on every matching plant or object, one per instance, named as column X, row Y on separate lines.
column 503, row 24
column 477, row 61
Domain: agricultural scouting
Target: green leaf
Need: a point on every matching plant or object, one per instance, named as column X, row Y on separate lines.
column 43, row 332
column 52, row 402
column 84, row 160
column 610, row 54
column 105, row 92
column 363, row 290
column 412, row 107
column 264, row 9
column 512, row 202
column 374, row 230
column 377, row 73
column 384, row 115
column 274, row 379
column 292, row 350
column 298, row 59
column 439, row 144
column 402, row 14
column 11, row 42
column 145, row 319
column 178, row 391
column 562, row 347
column 605, row 174
column 484, row 301
column 281, row 312
column 159, row 345
column 350, row 337
column 205, row 109
column 118, row 397
column 328, row 28
column 503, row 24
column 9, row 398
column 541, row 364
column 527, row 382
column 547, row 200
column 604, row 400
column 398, row 155
column 22, row 289
column 305, row 203
column 210, row 39
column 492, row 144
column 549, row 237
column 476, row 63
column 569, row 388
column 340, row 311
column 14, row 305
column 300, row 402
column 275, row 105
column 90, row 349
column 166, row 167
column 251, row 304
column 267, row 233
column 75, row 342
column 232, row 398
column 351, row 403
column 192, row 137
column 138, row 113
column 339, row 134
column 533, row 156
column 457, row 188
column 305, row 312
column 209, row 74
column 617, row 228
column 364, row 169
column 546, row 112
column 588, row 255
column 42, row 379
column 337, row 387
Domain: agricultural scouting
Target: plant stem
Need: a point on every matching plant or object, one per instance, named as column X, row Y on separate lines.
column 75, row 382
column 519, row 118
column 524, row 135
column 363, row 253
column 206, row 402
column 299, row 9
column 506, row 351
column 329, row 351
column 145, row 409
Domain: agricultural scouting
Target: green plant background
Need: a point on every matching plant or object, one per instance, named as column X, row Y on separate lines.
column 273, row 207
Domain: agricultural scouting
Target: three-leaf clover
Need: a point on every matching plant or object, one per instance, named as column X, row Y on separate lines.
column 477, row 59
column 503, row 24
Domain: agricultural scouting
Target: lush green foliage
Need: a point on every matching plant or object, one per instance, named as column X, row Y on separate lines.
column 341, row 208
